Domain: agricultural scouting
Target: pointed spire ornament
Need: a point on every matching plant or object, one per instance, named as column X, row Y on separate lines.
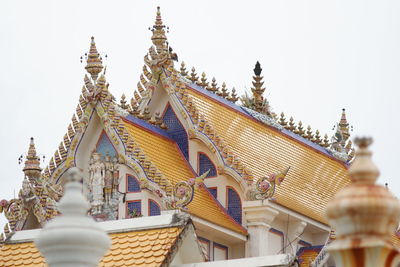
column 184, row 73
column 159, row 38
column 94, row 63
column 364, row 215
column 317, row 138
column 193, row 76
column 292, row 126
column 282, row 120
column 326, row 141
column 214, row 87
column 233, row 97
column 123, row 104
column 224, row 91
column 309, row 134
column 258, row 88
column 344, row 126
column 203, row 81
column 32, row 164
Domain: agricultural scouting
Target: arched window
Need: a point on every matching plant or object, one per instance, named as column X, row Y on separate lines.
column 154, row 209
column 234, row 204
column 206, row 164
column 176, row 131
column 132, row 184
column 213, row 191
column 133, row 209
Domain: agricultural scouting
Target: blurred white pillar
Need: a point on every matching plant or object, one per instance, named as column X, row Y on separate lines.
column 73, row 238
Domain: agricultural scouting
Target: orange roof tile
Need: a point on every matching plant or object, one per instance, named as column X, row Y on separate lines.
column 307, row 256
column 313, row 179
column 165, row 154
column 140, row 248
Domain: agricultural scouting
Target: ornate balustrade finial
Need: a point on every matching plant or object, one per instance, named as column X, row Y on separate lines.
column 365, row 216
column 73, row 239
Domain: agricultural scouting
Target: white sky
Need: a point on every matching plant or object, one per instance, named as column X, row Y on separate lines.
column 317, row 57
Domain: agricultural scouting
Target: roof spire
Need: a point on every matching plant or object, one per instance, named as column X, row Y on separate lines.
column 32, row 163
column 159, row 39
column 94, row 63
column 344, row 126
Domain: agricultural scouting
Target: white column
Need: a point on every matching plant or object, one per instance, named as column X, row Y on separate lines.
column 73, row 239
column 258, row 217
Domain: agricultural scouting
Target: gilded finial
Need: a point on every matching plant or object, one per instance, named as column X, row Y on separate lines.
column 123, row 104
column 159, row 38
column 300, row 130
column 193, row 76
column 203, row 81
column 224, row 91
column 309, row 134
column 233, row 97
column 282, row 120
column 326, row 141
column 258, row 88
column 214, row 87
column 317, row 138
column 292, row 126
column 94, row 63
column 184, row 73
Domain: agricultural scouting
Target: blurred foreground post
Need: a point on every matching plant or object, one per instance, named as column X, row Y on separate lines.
column 73, row 238
column 365, row 216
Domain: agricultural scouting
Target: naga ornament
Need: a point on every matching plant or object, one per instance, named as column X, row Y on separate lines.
column 264, row 187
column 183, row 192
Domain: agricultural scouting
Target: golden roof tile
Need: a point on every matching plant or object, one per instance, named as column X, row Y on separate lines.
column 168, row 159
column 142, row 254
column 314, row 177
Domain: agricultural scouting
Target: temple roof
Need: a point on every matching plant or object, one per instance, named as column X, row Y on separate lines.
column 314, row 175
column 165, row 154
column 155, row 244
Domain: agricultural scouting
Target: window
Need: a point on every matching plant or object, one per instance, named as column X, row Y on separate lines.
column 176, row 131
column 220, row 252
column 133, row 209
column 154, row 209
column 213, row 191
column 132, row 184
column 234, row 205
column 206, row 164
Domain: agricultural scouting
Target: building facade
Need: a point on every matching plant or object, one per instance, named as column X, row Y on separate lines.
column 254, row 183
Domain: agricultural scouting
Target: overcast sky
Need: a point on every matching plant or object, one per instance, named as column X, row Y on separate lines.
column 317, row 57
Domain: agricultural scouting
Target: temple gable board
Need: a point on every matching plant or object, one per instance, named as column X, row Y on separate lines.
column 212, row 172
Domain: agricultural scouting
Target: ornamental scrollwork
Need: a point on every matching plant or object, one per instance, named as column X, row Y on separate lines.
column 265, row 187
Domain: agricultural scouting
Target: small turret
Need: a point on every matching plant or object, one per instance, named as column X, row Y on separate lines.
column 94, row 63
column 32, row 168
column 159, row 38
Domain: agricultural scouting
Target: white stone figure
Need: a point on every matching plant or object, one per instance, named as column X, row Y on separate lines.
column 73, row 238
column 115, row 175
column 108, row 179
column 96, row 182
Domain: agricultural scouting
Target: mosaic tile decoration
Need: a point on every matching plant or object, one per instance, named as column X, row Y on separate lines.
column 206, row 164
column 104, row 145
column 234, row 205
column 133, row 184
column 154, row 209
column 176, row 131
